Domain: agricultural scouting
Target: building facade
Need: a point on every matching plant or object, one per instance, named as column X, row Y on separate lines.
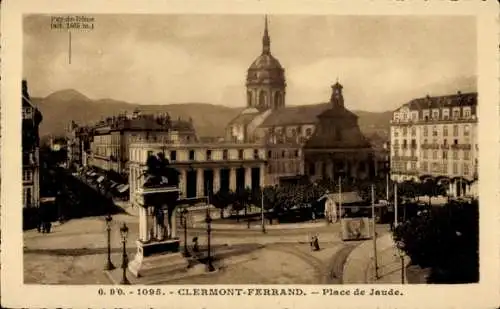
column 203, row 168
column 111, row 138
column 437, row 137
column 31, row 150
column 284, row 131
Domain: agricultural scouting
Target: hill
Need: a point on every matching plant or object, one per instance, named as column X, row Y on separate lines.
column 61, row 107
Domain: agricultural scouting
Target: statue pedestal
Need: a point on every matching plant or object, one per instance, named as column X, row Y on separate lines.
column 153, row 255
column 158, row 255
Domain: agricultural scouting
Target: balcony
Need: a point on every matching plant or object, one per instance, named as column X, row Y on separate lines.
column 429, row 146
column 405, row 158
column 445, row 146
column 461, row 146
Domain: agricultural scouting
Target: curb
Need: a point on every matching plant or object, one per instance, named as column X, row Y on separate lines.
column 356, row 263
column 259, row 227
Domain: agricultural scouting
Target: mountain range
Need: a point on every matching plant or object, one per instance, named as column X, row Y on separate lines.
column 60, row 107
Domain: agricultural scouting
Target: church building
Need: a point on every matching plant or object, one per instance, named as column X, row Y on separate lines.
column 318, row 140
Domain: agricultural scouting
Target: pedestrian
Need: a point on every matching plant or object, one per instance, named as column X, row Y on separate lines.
column 195, row 245
column 313, row 216
column 316, row 243
column 49, row 226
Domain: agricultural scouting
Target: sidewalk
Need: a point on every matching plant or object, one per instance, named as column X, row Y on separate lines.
column 242, row 226
column 359, row 267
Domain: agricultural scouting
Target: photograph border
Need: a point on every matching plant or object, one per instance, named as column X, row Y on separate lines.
column 485, row 294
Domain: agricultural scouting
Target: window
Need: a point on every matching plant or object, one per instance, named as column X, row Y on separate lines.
column 209, row 155
column 446, row 114
column 425, row 141
column 434, row 131
column 224, row 154
column 413, row 131
column 396, row 132
column 455, row 155
column 27, row 175
column 191, row 155
column 413, row 144
column 425, row 153
column 240, row 154
column 405, row 144
column 256, row 154
column 405, row 131
column 455, row 142
column 445, row 142
column 445, row 155
column 434, row 154
column 426, row 131
column 466, row 169
column 466, row 155
column 455, row 168
column 296, row 153
column 426, row 115
column 269, row 154
column 308, row 132
column 466, row 130
column 173, row 155
column 435, row 114
column 396, row 145
column 283, row 153
column 445, row 130
column 455, row 130
column 466, row 113
column 396, row 152
column 27, row 111
column 425, row 166
column 456, row 113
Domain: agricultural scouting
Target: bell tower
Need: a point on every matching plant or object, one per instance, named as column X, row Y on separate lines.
column 337, row 98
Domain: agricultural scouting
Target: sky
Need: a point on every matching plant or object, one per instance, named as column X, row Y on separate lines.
column 382, row 61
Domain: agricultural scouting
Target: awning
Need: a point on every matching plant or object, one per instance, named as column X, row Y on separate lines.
column 100, row 179
column 123, row 188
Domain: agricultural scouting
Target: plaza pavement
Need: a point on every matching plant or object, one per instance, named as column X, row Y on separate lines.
column 75, row 253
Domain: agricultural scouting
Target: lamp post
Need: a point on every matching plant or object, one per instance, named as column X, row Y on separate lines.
column 400, row 246
column 208, row 220
column 109, row 265
column 124, row 233
column 184, row 213
column 262, row 210
column 375, row 258
column 341, row 174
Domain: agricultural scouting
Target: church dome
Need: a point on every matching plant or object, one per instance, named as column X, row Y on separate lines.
column 265, row 62
column 266, row 69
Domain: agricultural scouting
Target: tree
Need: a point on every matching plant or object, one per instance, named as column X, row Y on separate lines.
column 222, row 200
column 446, row 240
column 431, row 187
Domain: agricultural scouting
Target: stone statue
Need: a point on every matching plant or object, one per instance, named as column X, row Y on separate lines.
column 159, row 173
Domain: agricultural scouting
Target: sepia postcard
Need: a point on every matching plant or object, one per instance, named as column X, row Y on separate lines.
column 222, row 154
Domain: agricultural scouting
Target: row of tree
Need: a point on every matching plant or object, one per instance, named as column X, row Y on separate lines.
column 280, row 199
